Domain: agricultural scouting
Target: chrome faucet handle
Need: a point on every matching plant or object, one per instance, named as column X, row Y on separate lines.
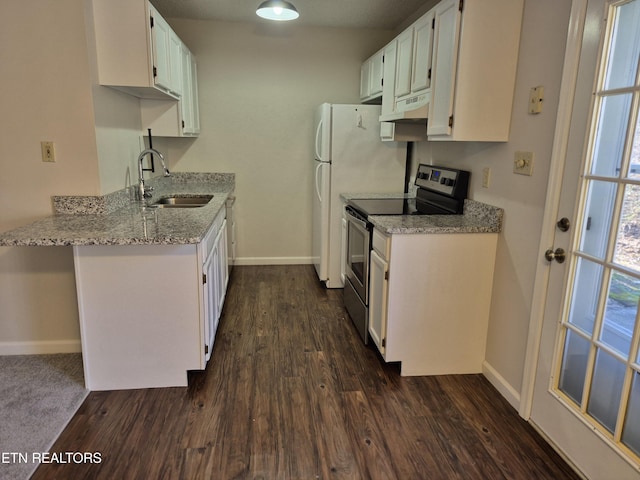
column 147, row 192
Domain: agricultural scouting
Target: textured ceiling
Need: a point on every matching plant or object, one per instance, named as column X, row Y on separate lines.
column 387, row 14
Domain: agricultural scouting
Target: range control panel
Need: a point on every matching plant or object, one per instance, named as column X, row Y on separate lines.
column 448, row 181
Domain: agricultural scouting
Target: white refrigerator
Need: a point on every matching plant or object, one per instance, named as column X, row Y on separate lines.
column 349, row 157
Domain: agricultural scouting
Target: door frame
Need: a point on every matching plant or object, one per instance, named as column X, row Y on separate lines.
column 552, row 201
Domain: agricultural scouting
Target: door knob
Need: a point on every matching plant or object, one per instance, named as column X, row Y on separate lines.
column 563, row 224
column 559, row 255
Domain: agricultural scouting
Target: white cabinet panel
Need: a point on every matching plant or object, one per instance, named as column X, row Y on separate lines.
column 176, row 83
column 421, row 66
column 378, row 288
column 431, row 315
column 161, row 45
column 131, row 47
column 404, row 56
column 447, row 33
column 371, row 77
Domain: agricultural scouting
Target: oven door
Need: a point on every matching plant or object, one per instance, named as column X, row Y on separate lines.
column 358, row 244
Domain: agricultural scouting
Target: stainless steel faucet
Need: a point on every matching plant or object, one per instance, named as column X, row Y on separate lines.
column 144, row 191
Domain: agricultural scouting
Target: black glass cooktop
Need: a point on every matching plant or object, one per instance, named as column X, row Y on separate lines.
column 385, row 206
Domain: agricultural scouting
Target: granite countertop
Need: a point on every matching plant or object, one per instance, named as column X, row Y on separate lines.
column 477, row 217
column 116, row 219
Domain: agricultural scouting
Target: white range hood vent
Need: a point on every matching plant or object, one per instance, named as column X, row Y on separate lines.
column 410, row 109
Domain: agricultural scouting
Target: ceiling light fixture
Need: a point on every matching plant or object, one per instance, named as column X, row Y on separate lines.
column 279, row 10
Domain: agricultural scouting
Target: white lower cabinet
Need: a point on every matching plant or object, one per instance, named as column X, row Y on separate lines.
column 379, row 287
column 149, row 313
column 214, row 283
column 429, row 300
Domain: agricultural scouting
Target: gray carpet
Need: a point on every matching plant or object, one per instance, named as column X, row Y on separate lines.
column 38, row 396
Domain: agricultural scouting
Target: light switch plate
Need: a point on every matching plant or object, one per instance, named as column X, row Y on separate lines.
column 486, row 177
column 523, row 163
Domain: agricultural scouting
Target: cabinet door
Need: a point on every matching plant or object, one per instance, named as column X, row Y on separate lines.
column 195, row 109
column 186, row 101
column 446, row 38
column 175, row 63
column 422, row 47
column 388, row 74
column 210, row 296
column 403, row 63
column 222, row 269
column 378, row 288
column 160, row 34
column 375, row 73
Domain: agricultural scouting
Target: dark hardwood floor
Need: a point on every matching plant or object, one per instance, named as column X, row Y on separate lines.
column 292, row 393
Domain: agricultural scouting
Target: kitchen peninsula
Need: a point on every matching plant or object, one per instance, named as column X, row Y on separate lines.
column 150, row 281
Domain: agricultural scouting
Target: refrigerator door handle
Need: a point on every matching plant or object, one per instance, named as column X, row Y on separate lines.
column 320, row 164
column 317, row 146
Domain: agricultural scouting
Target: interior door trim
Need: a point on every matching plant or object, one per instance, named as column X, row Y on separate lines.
column 552, row 201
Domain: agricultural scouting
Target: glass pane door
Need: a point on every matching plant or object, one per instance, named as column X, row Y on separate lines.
column 598, row 370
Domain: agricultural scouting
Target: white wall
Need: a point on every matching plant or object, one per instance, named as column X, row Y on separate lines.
column 117, row 125
column 259, row 85
column 45, row 95
column 49, row 92
column 522, row 197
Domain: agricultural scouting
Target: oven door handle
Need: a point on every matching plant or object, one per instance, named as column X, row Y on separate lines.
column 355, row 218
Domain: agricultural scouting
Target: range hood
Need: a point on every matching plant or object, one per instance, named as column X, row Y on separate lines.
column 414, row 108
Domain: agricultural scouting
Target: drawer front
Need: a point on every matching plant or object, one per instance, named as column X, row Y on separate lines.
column 381, row 244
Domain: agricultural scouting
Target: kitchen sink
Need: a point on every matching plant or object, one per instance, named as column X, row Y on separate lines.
column 179, row 201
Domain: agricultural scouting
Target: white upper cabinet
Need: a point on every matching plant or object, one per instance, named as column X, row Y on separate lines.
column 447, row 25
column 135, row 49
column 413, row 60
column 371, row 77
column 422, row 47
column 176, row 81
column 388, row 74
column 171, row 118
column 190, row 124
column 161, row 50
column 456, row 67
column 475, row 57
column 404, row 55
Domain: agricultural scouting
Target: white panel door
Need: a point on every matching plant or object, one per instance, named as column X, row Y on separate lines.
column 586, row 396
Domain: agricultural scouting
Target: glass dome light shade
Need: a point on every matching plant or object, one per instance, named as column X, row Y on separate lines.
column 278, row 10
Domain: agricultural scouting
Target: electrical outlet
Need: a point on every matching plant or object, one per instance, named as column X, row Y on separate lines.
column 486, row 177
column 48, row 151
column 536, row 98
column 523, row 163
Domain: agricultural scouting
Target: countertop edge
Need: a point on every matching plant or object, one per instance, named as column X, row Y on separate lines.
column 131, row 224
column 477, row 217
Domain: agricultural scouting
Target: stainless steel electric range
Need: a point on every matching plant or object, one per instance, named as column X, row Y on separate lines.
column 441, row 191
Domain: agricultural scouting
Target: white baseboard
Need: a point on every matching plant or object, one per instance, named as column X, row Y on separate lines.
column 498, row 381
column 273, row 261
column 40, row 347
